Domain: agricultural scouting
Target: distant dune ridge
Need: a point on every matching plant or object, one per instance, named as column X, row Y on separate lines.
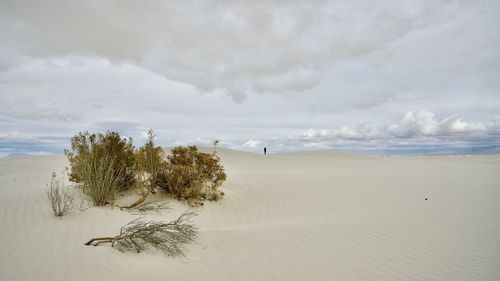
column 292, row 216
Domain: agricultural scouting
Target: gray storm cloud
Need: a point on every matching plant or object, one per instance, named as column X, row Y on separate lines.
column 243, row 47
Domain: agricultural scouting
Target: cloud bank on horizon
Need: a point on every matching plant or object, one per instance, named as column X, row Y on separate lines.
column 291, row 75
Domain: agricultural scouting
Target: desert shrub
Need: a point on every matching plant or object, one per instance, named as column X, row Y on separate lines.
column 58, row 194
column 101, row 179
column 99, row 145
column 194, row 176
column 151, row 164
column 151, row 169
column 103, row 163
column 215, row 143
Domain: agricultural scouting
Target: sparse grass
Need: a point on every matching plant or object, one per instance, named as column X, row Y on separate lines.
column 58, row 194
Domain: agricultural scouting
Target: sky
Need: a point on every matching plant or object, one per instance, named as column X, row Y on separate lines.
column 375, row 76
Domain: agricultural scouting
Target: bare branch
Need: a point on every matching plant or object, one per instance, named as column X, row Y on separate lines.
column 144, row 193
column 59, row 197
column 155, row 206
column 139, row 235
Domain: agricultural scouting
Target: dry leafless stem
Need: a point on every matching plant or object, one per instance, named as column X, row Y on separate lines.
column 59, row 197
column 144, row 196
column 139, row 235
column 154, row 206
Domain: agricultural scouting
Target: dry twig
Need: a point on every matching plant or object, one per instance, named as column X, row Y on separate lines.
column 155, row 206
column 139, row 235
column 59, row 197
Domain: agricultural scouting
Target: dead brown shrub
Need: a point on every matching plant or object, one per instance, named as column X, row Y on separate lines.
column 194, row 176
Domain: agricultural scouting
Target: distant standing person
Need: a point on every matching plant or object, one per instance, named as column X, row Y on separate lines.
column 265, row 151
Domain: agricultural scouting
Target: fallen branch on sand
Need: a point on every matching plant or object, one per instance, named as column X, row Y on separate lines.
column 139, row 235
column 144, row 194
column 155, row 206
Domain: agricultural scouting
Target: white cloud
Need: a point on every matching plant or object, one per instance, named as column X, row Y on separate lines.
column 315, row 145
column 413, row 125
column 424, row 123
column 252, row 143
column 494, row 125
column 454, row 124
column 361, row 131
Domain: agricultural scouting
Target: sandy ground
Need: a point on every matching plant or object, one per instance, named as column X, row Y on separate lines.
column 296, row 216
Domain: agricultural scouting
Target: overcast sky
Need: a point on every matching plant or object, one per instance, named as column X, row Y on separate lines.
column 290, row 75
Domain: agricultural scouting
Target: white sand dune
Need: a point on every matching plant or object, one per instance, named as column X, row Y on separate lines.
column 296, row 216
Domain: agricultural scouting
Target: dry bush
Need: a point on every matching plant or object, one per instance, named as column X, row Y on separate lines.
column 103, row 163
column 101, row 179
column 194, row 176
column 151, row 164
column 99, row 146
column 59, row 197
column 151, row 169
column 215, row 143
column 139, row 235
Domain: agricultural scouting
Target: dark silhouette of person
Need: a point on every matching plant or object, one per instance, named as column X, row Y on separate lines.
column 265, row 151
